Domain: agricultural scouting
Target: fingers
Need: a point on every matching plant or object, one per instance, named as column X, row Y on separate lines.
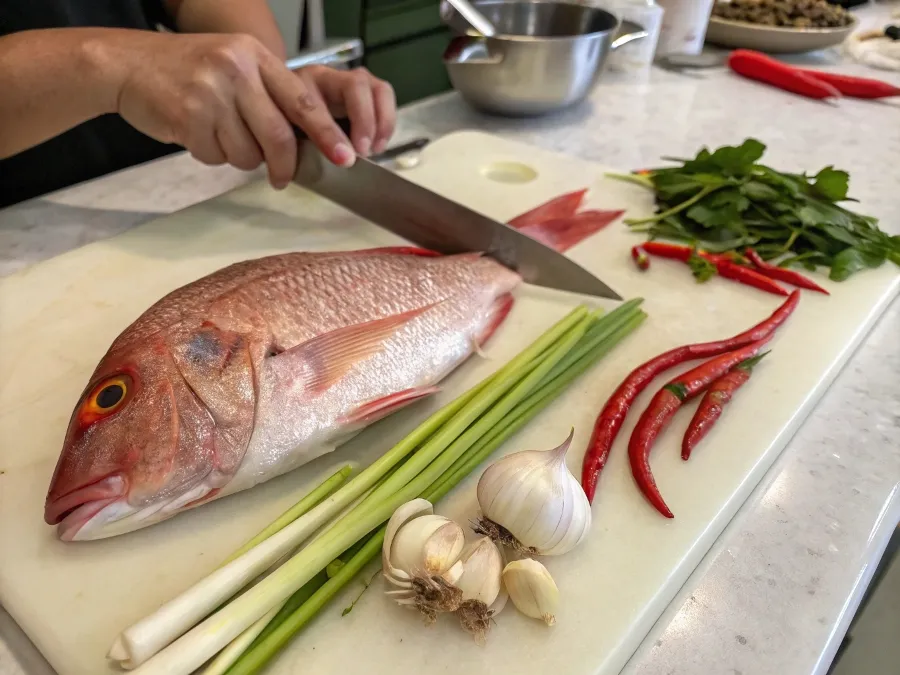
column 368, row 101
column 272, row 132
column 200, row 139
column 356, row 95
column 385, row 113
column 238, row 143
column 303, row 105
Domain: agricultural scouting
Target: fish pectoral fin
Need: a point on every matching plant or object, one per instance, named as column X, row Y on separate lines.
column 328, row 357
column 375, row 410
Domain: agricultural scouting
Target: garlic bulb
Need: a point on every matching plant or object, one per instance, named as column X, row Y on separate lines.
column 531, row 502
column 532, row 589
column 420, row 557
column 424, row 558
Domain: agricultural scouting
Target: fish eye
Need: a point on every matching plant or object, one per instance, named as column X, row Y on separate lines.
column 107, row 397
column 110, row 395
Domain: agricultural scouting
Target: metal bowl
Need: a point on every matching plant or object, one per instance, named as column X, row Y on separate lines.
column 545, row 56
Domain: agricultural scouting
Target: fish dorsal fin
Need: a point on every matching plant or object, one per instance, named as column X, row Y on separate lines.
column 328, row 357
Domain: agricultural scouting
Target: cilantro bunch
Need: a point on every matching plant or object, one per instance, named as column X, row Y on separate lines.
column 726, row 201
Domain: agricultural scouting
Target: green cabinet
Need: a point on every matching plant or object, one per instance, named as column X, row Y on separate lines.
column 403, row 41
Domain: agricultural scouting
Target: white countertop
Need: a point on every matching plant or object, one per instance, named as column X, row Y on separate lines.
column 777, row 590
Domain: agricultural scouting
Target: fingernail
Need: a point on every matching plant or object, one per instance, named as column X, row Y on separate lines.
column 365, row 144
column 344, row 155
column 380, row 145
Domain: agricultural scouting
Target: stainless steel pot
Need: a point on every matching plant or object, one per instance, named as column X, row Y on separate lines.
column 546, row 55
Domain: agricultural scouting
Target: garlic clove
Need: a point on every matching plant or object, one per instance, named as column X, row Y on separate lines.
column 482, row 566
column 480, row 586
column 533, row 503
column 452, row 575
column 443, row 547
column 426, row 545
column 503, row 596
column 532, row 589
column 404, row 513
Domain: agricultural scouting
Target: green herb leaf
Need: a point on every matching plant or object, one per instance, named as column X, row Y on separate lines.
column 841, row 234
column 741, row 159
column 722, row 208
column 852, row 260
column 832, row 184
column 755, row 189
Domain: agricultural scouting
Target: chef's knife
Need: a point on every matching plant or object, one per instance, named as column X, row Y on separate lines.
column 437, row 223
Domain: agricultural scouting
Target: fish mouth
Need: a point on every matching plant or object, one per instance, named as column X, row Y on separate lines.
column 75, row 502
column 69, row 527
column 100, row 510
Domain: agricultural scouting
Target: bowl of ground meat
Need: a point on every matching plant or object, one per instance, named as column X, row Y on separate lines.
column 779, row 26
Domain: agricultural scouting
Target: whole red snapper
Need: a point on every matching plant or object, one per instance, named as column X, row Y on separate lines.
column 263, row 366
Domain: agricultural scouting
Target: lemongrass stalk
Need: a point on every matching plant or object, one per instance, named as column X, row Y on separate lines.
column 142, row 640
column 267, row 647
column 256, row 659
column 330, row 484
column 207, row 638
column 228, row 656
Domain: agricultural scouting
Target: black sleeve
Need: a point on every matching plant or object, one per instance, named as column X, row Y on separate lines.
column 156, row 14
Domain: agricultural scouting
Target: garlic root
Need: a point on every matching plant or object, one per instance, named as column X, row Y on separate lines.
column 501, row 536
column 475, row 618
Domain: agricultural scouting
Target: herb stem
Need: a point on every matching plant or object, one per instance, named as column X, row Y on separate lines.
column 676, row 209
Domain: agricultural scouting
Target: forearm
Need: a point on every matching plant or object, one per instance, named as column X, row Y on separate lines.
column 252, row 17
column 52, row 80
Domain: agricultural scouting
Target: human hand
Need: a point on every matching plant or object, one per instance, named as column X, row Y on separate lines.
column 227, row 99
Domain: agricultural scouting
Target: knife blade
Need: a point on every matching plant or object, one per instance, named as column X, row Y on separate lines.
column 434, row 222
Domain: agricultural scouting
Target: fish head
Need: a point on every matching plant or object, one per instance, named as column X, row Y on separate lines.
column 142, row 443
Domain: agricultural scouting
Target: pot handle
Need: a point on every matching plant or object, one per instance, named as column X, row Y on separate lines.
column 470, row 50
column 628, row 32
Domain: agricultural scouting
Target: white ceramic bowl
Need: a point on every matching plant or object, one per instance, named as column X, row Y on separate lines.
column 774, row 39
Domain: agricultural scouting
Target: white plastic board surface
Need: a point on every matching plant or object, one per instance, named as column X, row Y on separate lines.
column 59, row 317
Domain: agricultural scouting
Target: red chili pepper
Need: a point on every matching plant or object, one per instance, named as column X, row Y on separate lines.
column 782, row 274
column 640, row 258
column 611, row 418
column 664, row 250
column 857, row 87
column 725, row 267
column 747, row 276
column 757, row 66
column 663, row 407
column 714, row 400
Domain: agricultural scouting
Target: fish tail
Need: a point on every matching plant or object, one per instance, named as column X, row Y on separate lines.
column 564, row 233
column 563, row 206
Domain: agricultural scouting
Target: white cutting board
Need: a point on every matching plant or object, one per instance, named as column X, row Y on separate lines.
column 59, row 317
